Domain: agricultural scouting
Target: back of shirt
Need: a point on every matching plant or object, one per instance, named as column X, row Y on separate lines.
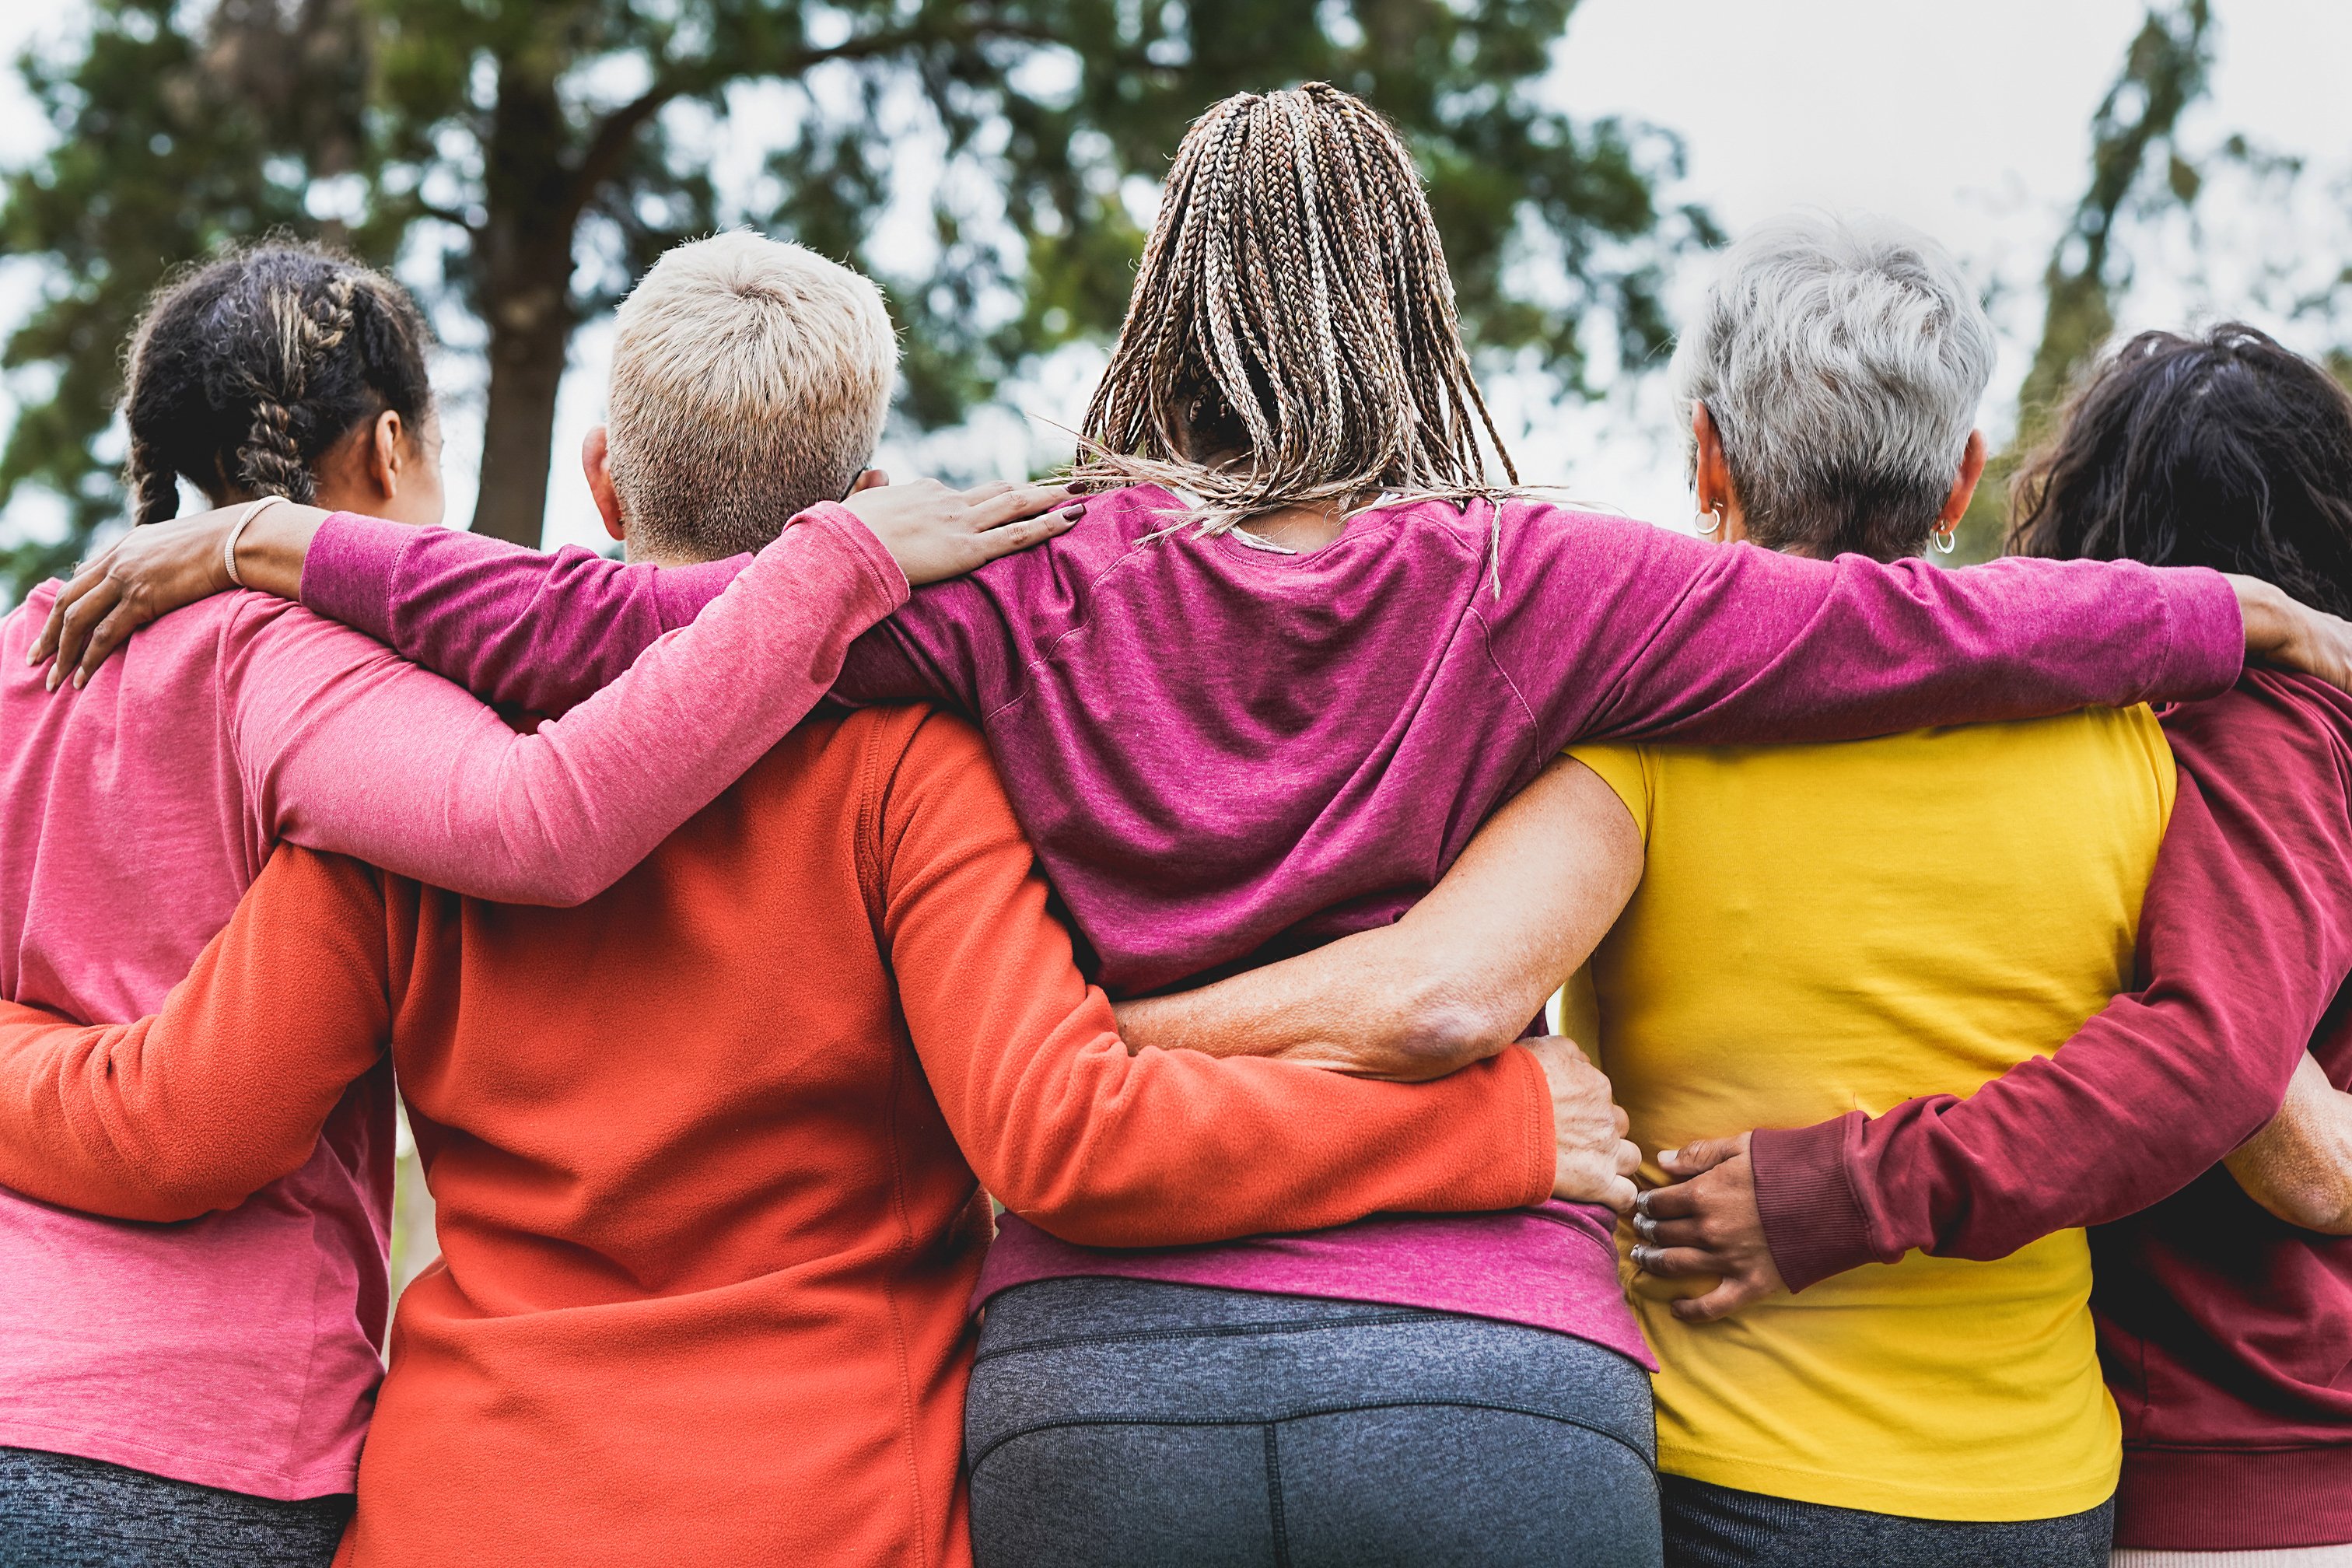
column 1822, row 929
column 237, row 1349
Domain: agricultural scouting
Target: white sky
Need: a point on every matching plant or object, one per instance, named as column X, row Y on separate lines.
column 1971, row 122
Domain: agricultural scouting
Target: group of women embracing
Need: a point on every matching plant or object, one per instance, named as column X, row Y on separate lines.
column 1178, row 856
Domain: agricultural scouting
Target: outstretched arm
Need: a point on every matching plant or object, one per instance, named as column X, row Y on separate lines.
column 1613, row 628
column 226, row 1090
column 1161, row 1148
column 540, row 632
column 1454, row 980
column 346, row 747
column 2245, row 939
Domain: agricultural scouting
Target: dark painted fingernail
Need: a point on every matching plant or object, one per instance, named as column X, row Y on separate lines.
column 1074, row 513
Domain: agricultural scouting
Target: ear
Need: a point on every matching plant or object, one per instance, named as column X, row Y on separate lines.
column 595, row 458
column 869, row 479
column 1711, row 471
column 1964, row 486
column 383, row 455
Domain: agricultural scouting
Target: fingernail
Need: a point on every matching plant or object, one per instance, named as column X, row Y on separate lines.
column 1074, row 513
column 1666, row 1155
column 1641, row 1258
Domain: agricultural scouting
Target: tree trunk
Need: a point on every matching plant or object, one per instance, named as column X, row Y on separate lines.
column 529, row 333
column 523, row 253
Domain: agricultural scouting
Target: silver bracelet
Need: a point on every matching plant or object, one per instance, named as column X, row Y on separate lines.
column 237, row 531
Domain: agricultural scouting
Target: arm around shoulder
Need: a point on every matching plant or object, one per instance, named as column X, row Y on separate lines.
column 1162, row 1148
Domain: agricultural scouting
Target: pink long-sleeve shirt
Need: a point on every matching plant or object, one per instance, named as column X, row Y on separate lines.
column 1223, row 752
column 241, row 1350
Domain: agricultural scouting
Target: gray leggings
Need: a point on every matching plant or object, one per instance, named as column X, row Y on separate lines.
column 1124, row 1422
column 60, row 1511
column 1716, row 1527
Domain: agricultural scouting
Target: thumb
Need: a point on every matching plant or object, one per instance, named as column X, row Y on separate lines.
column 1699, row 1155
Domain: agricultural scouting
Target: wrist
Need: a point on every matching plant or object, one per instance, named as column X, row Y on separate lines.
column 270, row 553
column 2268, row 614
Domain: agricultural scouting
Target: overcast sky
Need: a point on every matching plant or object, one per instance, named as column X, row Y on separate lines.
column 1971, row 122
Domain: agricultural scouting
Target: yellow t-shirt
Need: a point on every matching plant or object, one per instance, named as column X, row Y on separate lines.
column 1825, row 928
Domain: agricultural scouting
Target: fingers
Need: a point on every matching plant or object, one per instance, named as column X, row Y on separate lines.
column 1624, row 1122
column 79, row 619
column 1629, row 1153
column 1720, row 1302
column 1699, row 1155
column 1675, row 1262
column 1619, row 1195
column 1011, row 537
column 86, row 575
column 1676, row 1202
column 994, row 506
column 110, row 633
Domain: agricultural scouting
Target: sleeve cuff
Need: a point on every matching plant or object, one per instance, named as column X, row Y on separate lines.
column 1813, row 1222
column 1542, row 1162
column 2206, row 651
column 347, row 576
column 888, row 582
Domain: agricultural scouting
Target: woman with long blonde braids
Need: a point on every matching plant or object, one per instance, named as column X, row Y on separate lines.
column 1263, row 695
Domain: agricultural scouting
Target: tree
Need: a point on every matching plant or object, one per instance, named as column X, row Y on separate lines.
column 2135, row 158
column 542, row 151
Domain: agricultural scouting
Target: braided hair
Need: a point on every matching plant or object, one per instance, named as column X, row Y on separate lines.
column 246, row 370
column 1292, row 334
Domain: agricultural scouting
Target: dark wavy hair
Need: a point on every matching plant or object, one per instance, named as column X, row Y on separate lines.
column 246, row 369
column 2225, row 450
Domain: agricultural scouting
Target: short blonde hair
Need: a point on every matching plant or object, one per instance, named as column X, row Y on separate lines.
column 751, row 379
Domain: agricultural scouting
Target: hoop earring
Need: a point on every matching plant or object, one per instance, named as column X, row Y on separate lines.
column 1945, row 541
column 1711, row 529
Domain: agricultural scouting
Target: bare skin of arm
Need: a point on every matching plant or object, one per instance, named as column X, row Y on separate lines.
column 1458, row 977
column 2300, row 1166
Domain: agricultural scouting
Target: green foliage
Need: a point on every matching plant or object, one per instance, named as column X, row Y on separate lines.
column 2134, row 159
column 542, row 151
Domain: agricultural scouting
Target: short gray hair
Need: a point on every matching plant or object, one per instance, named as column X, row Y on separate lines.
column 1842, row 360
column 750, row 380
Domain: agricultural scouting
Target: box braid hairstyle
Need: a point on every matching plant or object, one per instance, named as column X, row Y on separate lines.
column 1292, row 334
column 247, row 369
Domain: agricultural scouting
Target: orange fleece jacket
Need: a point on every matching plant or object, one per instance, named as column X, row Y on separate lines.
column 704, row 1150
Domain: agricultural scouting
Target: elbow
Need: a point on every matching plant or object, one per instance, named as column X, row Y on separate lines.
column 2324, row 1207
column 1440, row 1024
column 549, row 877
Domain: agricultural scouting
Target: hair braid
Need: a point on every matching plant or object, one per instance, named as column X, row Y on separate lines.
column 1292, row 335
column 246, row 369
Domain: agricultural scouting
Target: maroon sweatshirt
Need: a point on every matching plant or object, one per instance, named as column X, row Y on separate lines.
column 2226, row 1333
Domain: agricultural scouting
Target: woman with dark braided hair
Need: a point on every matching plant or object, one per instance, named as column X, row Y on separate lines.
column 1262, row 696
column 197, row 1392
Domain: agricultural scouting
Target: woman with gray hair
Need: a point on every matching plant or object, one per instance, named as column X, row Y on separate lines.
column 1813, row 929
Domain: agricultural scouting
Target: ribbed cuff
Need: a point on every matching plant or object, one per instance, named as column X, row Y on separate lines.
column 1542, row 1159
column 2206, row 651
column 2234, row 1499
column 348, row 573
column 888, row 581
column 1813, row 1222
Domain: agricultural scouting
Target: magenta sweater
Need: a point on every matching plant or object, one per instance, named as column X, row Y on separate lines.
column 1224, row 754
column 2226, row 1332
